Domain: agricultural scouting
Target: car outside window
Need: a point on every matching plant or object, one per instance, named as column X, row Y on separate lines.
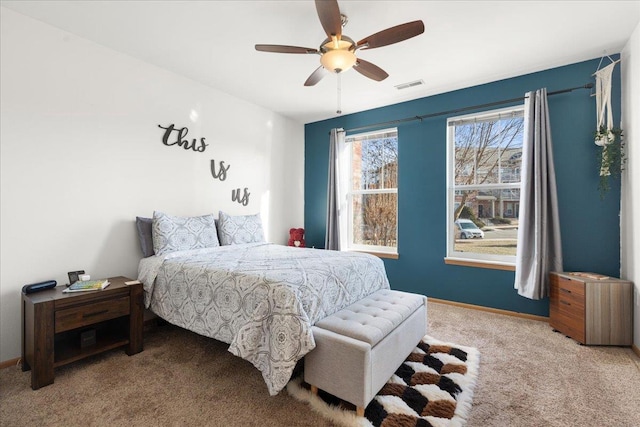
column 484, row 157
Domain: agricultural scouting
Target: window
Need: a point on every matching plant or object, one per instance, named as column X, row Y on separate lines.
column 484, row 157
column 372, row 198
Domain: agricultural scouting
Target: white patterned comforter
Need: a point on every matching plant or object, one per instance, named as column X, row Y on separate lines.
column 261, row 298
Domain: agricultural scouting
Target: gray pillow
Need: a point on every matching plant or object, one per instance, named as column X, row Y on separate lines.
column 145, row 235
column 175, row 233
column 233, row 230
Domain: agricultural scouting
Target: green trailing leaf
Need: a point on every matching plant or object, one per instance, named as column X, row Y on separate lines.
column 612, row 157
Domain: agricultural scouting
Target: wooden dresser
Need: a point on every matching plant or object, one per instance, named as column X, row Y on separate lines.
column 592, row 311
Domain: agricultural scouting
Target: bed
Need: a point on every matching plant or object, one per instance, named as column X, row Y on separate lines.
column 258, row 297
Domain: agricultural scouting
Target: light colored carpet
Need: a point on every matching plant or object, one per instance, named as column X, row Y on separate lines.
column 529, row 376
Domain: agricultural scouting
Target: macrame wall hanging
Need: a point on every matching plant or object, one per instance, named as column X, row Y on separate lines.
column 607, row 135
column 603, row 103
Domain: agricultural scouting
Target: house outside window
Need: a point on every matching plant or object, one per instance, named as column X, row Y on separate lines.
column 484, row 158
column 373, row 192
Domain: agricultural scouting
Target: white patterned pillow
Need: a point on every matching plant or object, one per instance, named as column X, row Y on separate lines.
column 175, row 233
column 233, row 230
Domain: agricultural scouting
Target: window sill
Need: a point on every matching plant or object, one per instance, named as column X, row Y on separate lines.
column 379, row 254
column 493, row 265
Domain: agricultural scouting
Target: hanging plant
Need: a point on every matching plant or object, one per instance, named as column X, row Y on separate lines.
column 612, row 158
column 607, row 136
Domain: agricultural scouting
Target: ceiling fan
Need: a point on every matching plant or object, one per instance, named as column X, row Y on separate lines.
column 338, row 52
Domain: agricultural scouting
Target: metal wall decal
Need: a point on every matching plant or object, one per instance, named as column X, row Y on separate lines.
column 222, row 170
column 177, row 136
column 244, row 200
column 180, row 135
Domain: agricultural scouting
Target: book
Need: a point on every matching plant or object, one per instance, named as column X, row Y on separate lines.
column 87, row 285
column 586, row 275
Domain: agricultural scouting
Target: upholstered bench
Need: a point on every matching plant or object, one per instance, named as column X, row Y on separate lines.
column 360, row 347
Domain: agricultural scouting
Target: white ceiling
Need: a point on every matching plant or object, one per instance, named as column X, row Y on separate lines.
column 465, row 43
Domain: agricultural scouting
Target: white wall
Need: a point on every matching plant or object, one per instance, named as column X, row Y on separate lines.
column 630, row 203
column 82, row 155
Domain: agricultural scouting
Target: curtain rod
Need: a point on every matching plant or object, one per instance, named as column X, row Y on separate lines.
column 459, row 110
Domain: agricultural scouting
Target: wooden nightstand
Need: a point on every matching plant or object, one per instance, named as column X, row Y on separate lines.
column 53, row 322
column 591, row 311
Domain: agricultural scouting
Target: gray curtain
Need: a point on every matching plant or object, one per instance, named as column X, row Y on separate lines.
column 332, row 237
column 539, row 246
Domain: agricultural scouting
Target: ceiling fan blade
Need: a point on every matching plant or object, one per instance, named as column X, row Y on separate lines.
column 316, row 76
column 329, row 14
column 276, row 48
column 392, row 35
column 370, row 70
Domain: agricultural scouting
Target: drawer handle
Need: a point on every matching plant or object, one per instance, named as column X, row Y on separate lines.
column 95, row 313
column 565, row 290
column 564, row 302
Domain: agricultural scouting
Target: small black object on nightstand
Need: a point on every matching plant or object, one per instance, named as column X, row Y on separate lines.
column 74, row 276
column 40, row 286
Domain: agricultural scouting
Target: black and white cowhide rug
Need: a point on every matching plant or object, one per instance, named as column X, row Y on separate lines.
column 433, row 387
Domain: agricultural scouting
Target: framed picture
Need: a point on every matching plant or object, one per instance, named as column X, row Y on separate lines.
column 73, row 276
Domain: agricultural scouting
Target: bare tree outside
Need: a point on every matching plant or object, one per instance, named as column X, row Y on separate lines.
column 374, row 199
column 487, row 164
column 480, row 154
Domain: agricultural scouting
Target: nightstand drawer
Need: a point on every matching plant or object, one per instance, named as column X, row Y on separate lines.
column 77, row 317
column 570, row 326
column 570, row 288
column 571, row 305
column 567, row 297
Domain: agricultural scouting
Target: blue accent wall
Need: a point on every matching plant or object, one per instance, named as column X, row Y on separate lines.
column 590, row 225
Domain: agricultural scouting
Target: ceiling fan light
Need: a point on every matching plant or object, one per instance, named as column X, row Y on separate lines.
column 334, row 43
column 338, row 61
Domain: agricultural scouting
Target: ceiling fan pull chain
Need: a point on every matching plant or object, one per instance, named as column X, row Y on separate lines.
column 339, row 110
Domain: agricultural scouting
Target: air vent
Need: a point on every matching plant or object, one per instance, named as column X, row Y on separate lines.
column 410, row 84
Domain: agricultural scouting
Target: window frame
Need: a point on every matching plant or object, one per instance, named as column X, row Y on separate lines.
column 473, row 258
column 351, row 246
